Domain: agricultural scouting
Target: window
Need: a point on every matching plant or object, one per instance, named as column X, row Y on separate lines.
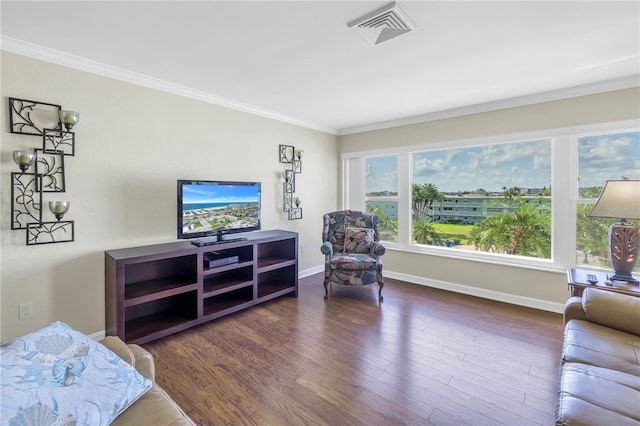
column 511, row 199
column 381, row 189
column 601, row 157
column 493, row 198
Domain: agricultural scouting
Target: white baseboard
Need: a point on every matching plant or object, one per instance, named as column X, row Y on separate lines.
column 99, row 335
column 311, row 271
column 529, row 302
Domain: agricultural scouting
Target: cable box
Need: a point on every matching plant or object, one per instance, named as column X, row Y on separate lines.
column 211, row 261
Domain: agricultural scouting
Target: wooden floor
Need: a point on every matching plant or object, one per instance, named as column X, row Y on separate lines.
column 422, row 357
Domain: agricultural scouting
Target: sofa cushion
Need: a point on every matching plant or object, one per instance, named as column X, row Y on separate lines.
column 615, row 310
column 58, row 374
column 594, row 344
column 592, row 395
column 153, row 408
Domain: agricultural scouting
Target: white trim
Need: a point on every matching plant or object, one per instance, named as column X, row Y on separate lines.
column 311, row 271
column 563, row 205
column 533, row 263
column 535, row 98
column 20, row 47
column 581, row 130
column 10, row 44
column 479, row 292
column 100, row 335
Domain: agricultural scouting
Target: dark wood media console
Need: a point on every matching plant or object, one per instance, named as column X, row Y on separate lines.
column 153, row 291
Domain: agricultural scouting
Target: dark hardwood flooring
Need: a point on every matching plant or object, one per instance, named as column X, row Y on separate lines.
column 422, row 357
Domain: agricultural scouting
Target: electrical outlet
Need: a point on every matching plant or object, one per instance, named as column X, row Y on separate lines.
column 25, row 310
column 301, row 249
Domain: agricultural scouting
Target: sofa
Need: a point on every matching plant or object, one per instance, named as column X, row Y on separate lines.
column 59, row 376
column 600, row 366
column 155, row 407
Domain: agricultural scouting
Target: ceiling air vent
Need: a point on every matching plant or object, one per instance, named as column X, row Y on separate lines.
column 383, row 24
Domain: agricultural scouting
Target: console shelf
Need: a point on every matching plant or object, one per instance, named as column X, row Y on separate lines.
column 147, row 291
column 153, row 291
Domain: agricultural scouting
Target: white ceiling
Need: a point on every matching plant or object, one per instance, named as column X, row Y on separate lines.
column 299, row 62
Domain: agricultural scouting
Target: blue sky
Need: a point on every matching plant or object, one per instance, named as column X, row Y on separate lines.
column 219, row 194
column 522, row 164
column 608, row 157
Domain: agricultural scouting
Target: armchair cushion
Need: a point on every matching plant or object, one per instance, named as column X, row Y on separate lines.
column 352, row 261
column 358, row 240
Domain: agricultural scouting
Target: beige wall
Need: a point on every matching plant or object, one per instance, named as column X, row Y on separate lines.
column 489, row 279
column 133, row 143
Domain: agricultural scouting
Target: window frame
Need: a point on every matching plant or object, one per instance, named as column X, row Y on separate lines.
column 564, row 193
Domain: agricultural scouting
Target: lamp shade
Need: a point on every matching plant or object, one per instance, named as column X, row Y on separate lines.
column 59, row 208
column 620, row 199
column 69, row 118
column 24, row 158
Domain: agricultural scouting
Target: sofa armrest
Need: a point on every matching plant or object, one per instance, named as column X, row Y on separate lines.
column 611, row 309
column 120, row 348
column 133, row 354
column 144, row 362
column 573, row 310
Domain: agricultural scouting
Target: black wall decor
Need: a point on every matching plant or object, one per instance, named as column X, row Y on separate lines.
column 41, row 119
column 293, row 157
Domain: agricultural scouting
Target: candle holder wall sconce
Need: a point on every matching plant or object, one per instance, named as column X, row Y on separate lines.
column 53, row 125
column 292, row 158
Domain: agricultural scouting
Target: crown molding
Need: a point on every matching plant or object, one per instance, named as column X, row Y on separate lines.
column 536, row 98
column 20, row 47
column 35, row 51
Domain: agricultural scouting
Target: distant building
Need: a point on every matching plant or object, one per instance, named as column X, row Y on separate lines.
column 471, row 209
column 464, row 209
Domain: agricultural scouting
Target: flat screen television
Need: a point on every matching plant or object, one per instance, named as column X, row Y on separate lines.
column 217, row 208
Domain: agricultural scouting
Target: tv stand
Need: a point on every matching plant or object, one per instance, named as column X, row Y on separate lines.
column 217, row 240
column 157, row 290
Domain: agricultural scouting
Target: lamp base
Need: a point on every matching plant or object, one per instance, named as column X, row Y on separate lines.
column 623, row 251
column 627, row 278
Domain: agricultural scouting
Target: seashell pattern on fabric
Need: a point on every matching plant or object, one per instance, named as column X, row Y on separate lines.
column 76, row 350
column 66, row 369
column 36, row 415
column 59, row 376
column 53, row 344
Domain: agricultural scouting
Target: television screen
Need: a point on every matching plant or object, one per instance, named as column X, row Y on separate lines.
column 216, row 208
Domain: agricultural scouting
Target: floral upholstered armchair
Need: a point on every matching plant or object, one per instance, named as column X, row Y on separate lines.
column 350, row 243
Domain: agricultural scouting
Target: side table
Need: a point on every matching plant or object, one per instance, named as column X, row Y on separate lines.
column 577, row 279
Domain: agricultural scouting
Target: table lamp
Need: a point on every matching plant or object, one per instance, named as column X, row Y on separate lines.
column 620, row 199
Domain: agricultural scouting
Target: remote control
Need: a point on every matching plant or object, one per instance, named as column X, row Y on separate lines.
column 592, row 279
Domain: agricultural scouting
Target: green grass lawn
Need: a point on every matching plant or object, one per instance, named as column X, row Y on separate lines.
column 458, row 233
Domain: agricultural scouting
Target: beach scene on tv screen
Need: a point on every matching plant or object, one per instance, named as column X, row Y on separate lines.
column 208, row 208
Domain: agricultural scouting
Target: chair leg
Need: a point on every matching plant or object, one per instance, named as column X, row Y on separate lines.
column 326, row 289
column 380, row 284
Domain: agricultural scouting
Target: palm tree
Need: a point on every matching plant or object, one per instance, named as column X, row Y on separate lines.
column 388, row 227
column 525, row 231
column 591, row 234
column 422, row 198
column 425, row 233
column 512, row 193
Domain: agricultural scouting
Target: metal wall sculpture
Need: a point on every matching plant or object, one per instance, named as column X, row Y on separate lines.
column 53, row 125
column 292, row 157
